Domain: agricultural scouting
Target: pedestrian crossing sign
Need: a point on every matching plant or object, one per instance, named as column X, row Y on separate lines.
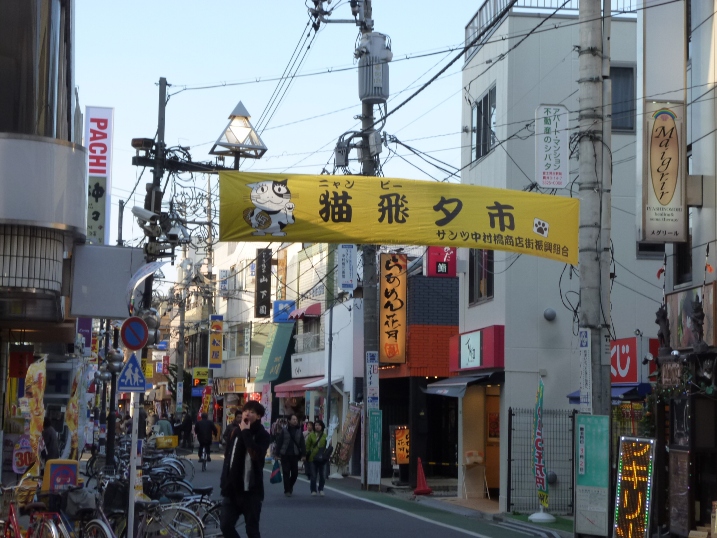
column 131, row 378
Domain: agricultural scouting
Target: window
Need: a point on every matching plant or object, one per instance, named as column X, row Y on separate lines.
column 683, row 258
column 623, row 98
column 480, row 275
column 484, row 121
column 650, row 250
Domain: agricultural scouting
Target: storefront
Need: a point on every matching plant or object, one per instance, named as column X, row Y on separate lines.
column 477, row 358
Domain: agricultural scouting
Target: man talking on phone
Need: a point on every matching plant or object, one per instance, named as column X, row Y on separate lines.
column 242, row 482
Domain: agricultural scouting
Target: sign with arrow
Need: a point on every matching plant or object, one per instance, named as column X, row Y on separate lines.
column 131, row 378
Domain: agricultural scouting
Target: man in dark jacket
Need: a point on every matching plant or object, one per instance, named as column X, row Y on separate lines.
column 187, row 441
column 242, row 482
column 290, row 447
column 204, row 429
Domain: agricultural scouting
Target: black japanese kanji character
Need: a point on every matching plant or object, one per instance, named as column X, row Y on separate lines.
column 95, row 216
column 506, row 221
column 335, row 207
column 97, row 192
column 393, row 207
column 448, row 215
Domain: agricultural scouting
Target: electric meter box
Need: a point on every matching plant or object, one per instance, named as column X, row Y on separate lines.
column 373, row 68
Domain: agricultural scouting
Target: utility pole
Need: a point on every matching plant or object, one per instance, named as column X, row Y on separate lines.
column 210, row 302
column 595, row 185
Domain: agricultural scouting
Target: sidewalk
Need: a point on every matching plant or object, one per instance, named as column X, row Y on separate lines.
column 445, row 499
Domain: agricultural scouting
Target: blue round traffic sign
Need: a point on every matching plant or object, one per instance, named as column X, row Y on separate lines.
column 134, row 333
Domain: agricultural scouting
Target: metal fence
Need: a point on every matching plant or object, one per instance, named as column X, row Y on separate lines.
column 558, row 427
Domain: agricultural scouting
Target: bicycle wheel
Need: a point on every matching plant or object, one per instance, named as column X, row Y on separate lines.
column 46, row 529
column 119, row 525
column 176, row 486
column 96, row 529
column 188, row 468
column 180, row 522
column 200, row 506
column 211, row 521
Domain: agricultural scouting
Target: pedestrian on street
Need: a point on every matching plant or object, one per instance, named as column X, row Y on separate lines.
column 315, row 441
column 187, row 440
column 52, row 443
column 242, row 481
column 164, row 427
column 204, row 430
column 290, row 448
column 141, row 424
column 308, row 429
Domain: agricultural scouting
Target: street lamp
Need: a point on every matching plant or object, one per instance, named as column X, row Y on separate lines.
column 114, row 366
column 239, row 138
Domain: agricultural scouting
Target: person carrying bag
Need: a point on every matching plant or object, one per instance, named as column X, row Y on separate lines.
column 317, row 455
column 290, row 448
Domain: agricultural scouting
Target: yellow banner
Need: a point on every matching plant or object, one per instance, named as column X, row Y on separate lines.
column 358, row 209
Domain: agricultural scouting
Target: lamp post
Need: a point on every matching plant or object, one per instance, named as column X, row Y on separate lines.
column 114, row 366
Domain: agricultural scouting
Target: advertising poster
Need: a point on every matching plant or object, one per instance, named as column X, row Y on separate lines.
column 392, row 308
column 541, row 481
column 592, row 474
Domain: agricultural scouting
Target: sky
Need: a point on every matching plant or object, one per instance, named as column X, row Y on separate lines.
column 235, row 48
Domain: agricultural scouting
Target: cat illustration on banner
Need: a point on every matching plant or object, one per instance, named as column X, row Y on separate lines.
column 273, row 209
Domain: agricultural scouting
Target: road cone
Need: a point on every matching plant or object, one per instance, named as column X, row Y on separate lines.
column 421, row 486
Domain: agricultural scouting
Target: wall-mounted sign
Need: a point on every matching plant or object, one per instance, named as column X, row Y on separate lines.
column 551, row 146
column 347, row 256
column 592, row 474
column 586, row 374
column 262, row 285
column 223, row 283
column 680, row 309
column 623, row 361
column 440, row 262
column 634, row 488
column 403, row 444
column 471, row 349
column 99, row 128
column 216, row 328
column 664, row 215
column 392, row 304
column 319, row 209
column 282, row 309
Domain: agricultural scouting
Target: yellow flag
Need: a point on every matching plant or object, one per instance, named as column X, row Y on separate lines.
column 359, row 209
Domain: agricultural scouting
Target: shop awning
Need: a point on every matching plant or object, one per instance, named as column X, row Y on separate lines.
column 320, row 382
column 274, row 352
column 619, row 393
column 311, row 311
column 456, row 386
column 294, row 387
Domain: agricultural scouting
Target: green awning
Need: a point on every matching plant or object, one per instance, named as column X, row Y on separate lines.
column 274, row 352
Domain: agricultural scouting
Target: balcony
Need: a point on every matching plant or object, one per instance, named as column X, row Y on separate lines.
column 307, row 342
column 490, row 10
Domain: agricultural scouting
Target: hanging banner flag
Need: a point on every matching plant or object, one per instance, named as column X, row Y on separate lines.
column 541, row 482
column 352, row 209
column 392, row 304
column 551, row 146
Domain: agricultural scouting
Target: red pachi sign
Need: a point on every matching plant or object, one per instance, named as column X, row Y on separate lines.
column 441, row 262
column 624, row 361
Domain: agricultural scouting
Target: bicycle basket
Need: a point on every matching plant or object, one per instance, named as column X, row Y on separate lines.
column 116, row 496
column 20, row 496
column 78, row 499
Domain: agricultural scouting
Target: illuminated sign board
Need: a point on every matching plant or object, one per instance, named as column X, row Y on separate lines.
column 634, row 488
column 392, row 303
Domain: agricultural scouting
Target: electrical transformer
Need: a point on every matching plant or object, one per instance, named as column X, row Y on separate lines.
column 374, row 53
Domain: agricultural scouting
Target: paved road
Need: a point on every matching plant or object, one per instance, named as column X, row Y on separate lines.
column 348, row 512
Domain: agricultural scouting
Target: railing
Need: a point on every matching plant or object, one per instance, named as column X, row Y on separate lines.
column 491, row 9
column 558, row 427
column 309, row 342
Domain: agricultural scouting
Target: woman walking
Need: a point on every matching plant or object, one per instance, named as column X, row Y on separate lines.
column 315, row 450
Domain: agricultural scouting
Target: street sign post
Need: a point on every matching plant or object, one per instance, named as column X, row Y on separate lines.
column 134, row 333
column 131, row 379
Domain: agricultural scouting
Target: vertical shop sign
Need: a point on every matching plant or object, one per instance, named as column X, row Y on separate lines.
column 440, row 262
column 592, row 474
column 664, row 218
column 262, row 284
column 392, row 304
column 374, row 446
column 165, row 365
column 635, row 468
column 371, row 380
column 347, row 255
column 551, row 146
column 98, row 141
column 586, row 376
column 216, row 327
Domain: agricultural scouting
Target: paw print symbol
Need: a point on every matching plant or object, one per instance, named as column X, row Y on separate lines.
column 541, row 227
